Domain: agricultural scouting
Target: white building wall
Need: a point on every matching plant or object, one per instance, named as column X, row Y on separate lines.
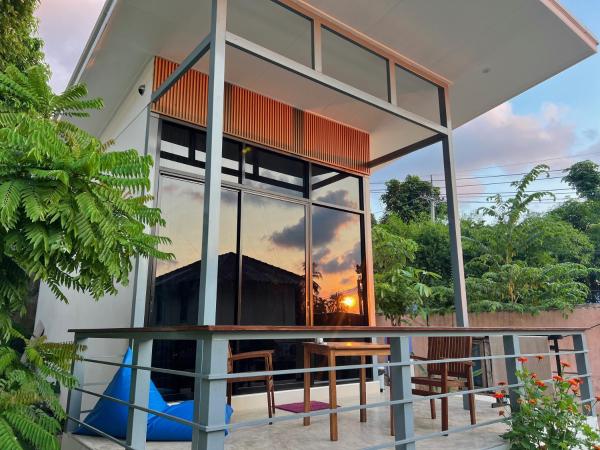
column 128, row 129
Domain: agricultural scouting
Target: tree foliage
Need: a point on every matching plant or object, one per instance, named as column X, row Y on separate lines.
column 584, row 177
column 18, row 44
column 73, row 215
column 411, row 199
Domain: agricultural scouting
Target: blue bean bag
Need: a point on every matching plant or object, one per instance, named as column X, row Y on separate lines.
column 111, row 417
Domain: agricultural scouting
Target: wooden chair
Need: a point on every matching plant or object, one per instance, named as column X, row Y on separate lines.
column 267, row 357
column 444, row 376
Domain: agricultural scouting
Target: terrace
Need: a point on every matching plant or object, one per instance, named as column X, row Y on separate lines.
column 265, row 123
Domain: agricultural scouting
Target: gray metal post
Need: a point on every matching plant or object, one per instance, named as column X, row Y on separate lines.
column 74, row 397
column 401, row 389
column 142, row 264
column 512, row 346
column 456, row 255
column 207, row 309
column 139, row 392
column 209, row 395
column 583, row 368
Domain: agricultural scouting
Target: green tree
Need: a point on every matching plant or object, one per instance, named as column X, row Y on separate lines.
column 584, row 177
column 507, row 213
column 73, row 215
column 400, row 289
column 579, row 214
column 18, row 44
column 411, row 199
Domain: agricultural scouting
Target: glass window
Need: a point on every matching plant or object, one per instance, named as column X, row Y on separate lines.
column 353, row 64
column 268, row 170
column 273, row 264
column 338, row 188
column 338, row 274
column 417, row 95
column 175, row 139
column 273, row 26
column 177, row 282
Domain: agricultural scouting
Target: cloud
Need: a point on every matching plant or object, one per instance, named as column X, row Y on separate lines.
column 342, row 263
column 501, row 136
column 326, row 223
column 65, row 26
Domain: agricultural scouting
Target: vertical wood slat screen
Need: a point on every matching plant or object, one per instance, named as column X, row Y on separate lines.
column 260, row 119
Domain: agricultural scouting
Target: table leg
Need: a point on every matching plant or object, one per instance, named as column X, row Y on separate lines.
column 363, row 392
column 306, row 420
column 333, row 430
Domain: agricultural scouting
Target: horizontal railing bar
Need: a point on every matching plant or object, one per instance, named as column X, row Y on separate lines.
column 435, row 434
column 325, row 368
column 101, row 433
column 373, row 365
column 141, row 408
column 182, row 373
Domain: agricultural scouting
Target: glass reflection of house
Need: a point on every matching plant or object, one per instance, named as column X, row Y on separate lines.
column 306, row 98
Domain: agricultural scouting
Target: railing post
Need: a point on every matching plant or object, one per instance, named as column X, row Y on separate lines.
column 512, row 346
column 210, row 395
column 401, row 389
column 583, row 368
column 74, row 397
column 137, row 420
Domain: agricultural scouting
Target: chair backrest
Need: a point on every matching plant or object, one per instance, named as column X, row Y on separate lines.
column 449, row 348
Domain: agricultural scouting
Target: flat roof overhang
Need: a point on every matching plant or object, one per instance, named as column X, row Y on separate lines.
column 486, row 51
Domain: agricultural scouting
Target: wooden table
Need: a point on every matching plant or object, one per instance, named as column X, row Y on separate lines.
column 331, row 350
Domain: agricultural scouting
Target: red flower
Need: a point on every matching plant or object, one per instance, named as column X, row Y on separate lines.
column 522, row 359
column 533, row 401
column 499, row 395
column 540, row 383
column 501, row 383
column 558, row 378
column 533, row 375
column 574, row 382
column 565, row 364
column 539, row 357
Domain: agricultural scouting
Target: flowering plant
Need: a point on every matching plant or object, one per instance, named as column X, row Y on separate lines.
column 549, row 419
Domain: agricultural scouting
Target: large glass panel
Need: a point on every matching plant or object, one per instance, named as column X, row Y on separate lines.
column 338, row 272
column 353, row 64
column 273, row 264
column 338, row 188
column 268, row 170
column 273, row 26
column 417, row 95
column 177, row 282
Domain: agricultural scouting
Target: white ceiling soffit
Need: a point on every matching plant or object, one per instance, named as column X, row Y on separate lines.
column 517, row 43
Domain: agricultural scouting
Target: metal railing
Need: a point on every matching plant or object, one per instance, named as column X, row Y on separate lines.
column 210, row 376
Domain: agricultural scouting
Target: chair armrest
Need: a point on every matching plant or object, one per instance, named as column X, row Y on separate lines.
column 252, row 355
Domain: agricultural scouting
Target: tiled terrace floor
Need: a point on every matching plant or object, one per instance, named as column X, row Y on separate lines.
column 352, row 434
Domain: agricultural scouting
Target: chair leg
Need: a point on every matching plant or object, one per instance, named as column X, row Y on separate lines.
column 432, row 408
column 229, row 392
column 270, row 407
column 445, row 399
column 470, row 386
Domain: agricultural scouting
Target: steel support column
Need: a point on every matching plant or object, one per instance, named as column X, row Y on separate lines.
column 74, row 397
column 212, row 187
column 142, row 265
column 456, row 254
column 512, row 346
column 401, row 389
column 210, row 395
column 138, row 394
column 584, row 369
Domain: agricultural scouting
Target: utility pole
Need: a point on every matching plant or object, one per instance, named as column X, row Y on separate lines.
column 432, row 199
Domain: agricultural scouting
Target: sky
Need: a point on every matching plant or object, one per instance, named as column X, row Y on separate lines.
column 556, row 122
